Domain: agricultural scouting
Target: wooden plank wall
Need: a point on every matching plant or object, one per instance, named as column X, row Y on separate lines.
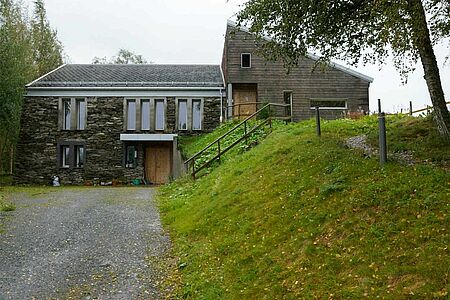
column 272, row 79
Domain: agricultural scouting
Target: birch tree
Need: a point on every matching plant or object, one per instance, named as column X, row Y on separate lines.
column 367, row 31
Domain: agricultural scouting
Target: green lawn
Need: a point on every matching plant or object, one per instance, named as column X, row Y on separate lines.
column 303, row 217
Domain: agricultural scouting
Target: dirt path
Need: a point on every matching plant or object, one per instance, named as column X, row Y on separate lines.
column 82, row 243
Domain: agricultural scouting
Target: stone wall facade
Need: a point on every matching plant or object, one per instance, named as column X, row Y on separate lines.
column 40, row 136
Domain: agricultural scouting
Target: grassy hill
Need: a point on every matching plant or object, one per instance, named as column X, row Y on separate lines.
column 303, row 217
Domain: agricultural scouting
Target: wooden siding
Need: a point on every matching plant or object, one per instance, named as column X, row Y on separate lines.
column 272, row 79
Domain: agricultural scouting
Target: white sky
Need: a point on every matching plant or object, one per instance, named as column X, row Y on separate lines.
column 180, row 31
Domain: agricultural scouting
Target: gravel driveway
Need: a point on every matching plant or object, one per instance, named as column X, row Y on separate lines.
column 82, row 243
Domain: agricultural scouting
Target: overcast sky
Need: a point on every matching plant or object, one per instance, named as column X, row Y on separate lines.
column 192, row 32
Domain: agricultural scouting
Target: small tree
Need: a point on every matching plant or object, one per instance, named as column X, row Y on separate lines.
column 355, row 31
column 124, row 57
column 15, row 71
column 47, row 49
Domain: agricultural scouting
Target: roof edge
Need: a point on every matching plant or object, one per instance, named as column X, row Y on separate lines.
column 94, row 88
column 45, row 75
column 311, row 55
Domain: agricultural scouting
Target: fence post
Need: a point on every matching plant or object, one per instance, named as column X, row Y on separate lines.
column 218, row 147
column 193, row 168
column 382, row 135
column 410, row 108
column 318, row 130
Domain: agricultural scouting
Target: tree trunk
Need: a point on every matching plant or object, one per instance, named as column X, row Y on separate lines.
column 421, row 37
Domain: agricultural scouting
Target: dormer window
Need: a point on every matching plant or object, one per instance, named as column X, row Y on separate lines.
column 246, row 60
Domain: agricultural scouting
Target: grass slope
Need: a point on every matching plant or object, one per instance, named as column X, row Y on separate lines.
column 299, row 216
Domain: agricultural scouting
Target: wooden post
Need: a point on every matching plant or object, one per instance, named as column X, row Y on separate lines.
column 318, row 130
column 410, row 108
column 218, row 149
column 193, row 168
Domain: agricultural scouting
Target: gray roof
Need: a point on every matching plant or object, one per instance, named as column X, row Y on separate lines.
column 152, row 75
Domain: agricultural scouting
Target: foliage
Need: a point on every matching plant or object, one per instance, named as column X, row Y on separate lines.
column 191, row 145
column 303, row 217
column 123, row 57
column 27, row 50
column 367, row 31
column 47, row 49
column 4, row 204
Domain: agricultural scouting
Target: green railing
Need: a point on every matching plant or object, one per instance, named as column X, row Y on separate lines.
column 247, row 131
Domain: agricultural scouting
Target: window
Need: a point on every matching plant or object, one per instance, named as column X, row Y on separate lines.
column 65, row 156
column 79, row 156
column 196, row 114
column 67, row 114
column 81, row 114
column 328, row 103
column 246, row 60
column 131, row 114
column 182, row 114
column 287, row 97
column 71, row 154
column 145, row 114
column 73, row 113
column 159, row 114
column 130, row 156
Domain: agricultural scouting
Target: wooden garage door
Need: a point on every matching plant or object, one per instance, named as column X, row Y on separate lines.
column 158, row 162
column 245, row 98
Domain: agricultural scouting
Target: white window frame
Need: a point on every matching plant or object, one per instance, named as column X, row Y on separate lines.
column 127, row 102
column 64, row 102
column 74, row 113
column 178, row 100
column 146, row 100
column 189, row 112
column 242, row 56
column 201, row 113
column 330, row 99
column 155, row 101
column 78, row 114
column 65, row 159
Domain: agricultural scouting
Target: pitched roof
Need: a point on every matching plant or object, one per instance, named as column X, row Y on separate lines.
column 310, row 55
column 126, row 76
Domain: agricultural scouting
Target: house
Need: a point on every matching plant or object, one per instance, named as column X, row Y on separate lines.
column 99, row 123
column 89, row 123
column 251, row 80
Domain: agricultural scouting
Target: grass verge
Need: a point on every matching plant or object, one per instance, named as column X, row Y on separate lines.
column 303, row 217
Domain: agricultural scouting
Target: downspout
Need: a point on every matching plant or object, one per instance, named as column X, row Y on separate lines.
column 221, row 105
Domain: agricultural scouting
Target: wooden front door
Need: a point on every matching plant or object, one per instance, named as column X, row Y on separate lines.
column 158, row 162
column 245, row 98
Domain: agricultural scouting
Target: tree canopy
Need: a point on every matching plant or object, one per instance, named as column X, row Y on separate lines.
column 123, row 57
column 28, row 49
column 367, row 31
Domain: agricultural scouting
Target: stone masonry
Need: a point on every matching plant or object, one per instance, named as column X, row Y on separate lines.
column 37, row 160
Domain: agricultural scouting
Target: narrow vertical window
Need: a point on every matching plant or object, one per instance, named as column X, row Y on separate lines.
column 67, row 114
column 182, row 114
column 287, row 96
column 145, row 114
column 131, row 156
column 79, row 158
column 81, row 114
column 65, row 154
column 196, row 114
column 131, row 114
column 159, row 114
column 246, row 60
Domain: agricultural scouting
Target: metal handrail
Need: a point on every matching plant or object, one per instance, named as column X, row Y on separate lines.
column 246, row 134
column 227, row 133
